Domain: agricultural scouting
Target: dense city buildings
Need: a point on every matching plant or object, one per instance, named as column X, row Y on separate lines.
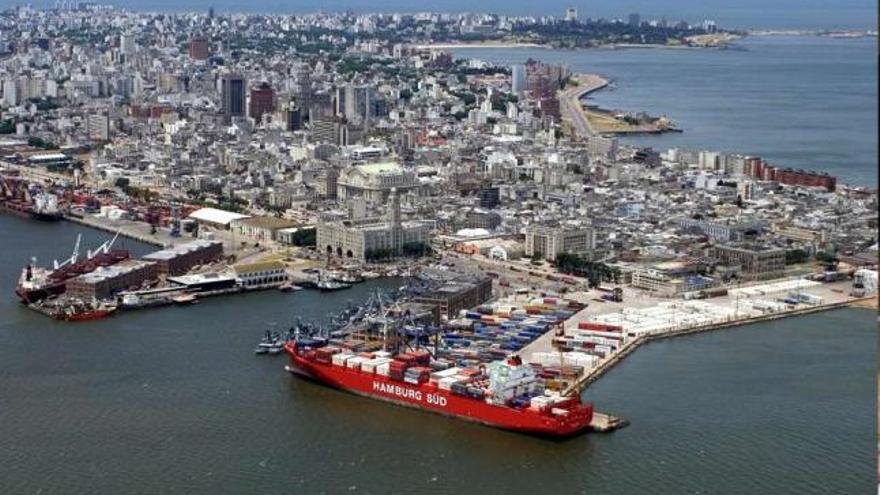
column 357, row 135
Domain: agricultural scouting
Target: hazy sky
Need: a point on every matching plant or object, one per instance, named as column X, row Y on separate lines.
column 805, row 14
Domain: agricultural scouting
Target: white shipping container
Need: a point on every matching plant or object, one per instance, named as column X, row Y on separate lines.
column 598, row 333
column 438, row 375
column 355, row 362
column 340, row 358
column 369, row 366
column 446, row 383
column 383, row 369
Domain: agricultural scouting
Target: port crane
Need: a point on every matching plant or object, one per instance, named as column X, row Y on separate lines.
column 74, row 256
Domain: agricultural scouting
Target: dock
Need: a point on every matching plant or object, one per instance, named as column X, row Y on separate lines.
column 607, row 364
column 730, row 311
column 129, row 229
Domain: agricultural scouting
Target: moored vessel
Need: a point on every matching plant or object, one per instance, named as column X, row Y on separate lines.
column 503, row 394
column 38, row 283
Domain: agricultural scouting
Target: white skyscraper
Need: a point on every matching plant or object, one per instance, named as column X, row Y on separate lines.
column 127, row 44
column 518, row 79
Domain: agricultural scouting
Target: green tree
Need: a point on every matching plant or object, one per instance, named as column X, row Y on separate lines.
column 305, row 237
column 7, row 127
column 795, row 256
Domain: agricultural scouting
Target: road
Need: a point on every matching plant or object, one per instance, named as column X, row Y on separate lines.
column 36, row 173
column 515, row 275
column 570, row 102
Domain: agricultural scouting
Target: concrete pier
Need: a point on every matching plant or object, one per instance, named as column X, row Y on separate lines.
column 606, row 364
column 132, row 230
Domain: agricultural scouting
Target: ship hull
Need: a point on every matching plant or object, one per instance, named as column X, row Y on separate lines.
column 429, row 398
column 89, row 315
column 46, row 217
column 28, row 296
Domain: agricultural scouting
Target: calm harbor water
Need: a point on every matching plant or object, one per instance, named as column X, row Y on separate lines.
column 798, row 101
column 172, row 400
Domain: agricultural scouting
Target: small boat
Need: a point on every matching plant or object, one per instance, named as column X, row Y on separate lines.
column 329, row 285
column 289, row 287
column 347, row 278
column 184, row 299
column 94, row 314
column 271, row 343
column 85, row 312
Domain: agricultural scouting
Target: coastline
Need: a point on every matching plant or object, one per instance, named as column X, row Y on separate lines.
column 470, row 46
column 720, row 44
column 842, row 34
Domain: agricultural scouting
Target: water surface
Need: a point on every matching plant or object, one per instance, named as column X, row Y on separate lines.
column 173, row 400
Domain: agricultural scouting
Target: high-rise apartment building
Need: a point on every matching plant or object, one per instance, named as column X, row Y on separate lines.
column 262, row 101
column 232, row 89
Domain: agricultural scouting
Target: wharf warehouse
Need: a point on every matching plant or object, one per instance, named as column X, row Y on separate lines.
column 106, row 281
column 180, row 259
column 204, row 282
column 218, row 219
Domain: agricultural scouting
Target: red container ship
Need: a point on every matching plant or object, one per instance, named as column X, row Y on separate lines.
column 503, row 394
column 38, row 283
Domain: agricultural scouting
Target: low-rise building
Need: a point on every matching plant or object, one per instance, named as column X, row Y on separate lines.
column 720, row 231
column 670, row 279
column 756, row 262
column 260, row 228
column 454, row 296
column 550, row 241
column 260, row 274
